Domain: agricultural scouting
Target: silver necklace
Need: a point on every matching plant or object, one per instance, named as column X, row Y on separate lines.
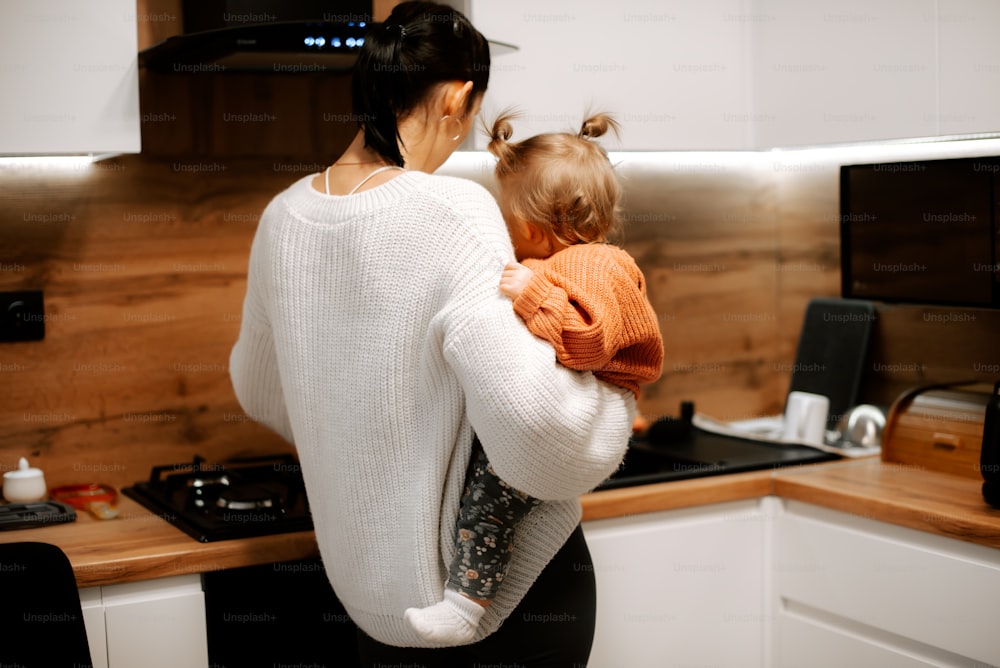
column 326, row 177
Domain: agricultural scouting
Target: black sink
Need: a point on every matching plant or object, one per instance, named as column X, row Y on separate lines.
column 686, row 452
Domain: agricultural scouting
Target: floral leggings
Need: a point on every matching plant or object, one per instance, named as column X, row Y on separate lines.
column 489, row 511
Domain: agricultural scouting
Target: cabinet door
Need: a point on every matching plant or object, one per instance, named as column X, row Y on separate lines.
column 70, row 77
column 674, row 74
column 849, row 71
column 879, row 594
column 970, row 66
column 93, row 619
column 156, row 623
column 803, row 643
column 680, row 588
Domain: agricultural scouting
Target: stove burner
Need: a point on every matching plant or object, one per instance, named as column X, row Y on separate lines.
column 245, row 504
column 246, row 498
column 237, row 499
column 202, row 482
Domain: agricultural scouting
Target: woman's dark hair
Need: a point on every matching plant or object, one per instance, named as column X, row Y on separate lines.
column 420, row 45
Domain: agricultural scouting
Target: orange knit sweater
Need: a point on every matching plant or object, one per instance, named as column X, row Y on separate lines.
column 589, row 301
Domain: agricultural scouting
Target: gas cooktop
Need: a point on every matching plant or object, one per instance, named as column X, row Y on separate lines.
column 237, row 498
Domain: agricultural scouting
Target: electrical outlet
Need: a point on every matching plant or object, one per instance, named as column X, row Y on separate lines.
column 22, row 316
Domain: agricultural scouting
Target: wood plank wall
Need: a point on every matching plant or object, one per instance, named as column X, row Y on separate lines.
column 143, row 268
column 142, row 260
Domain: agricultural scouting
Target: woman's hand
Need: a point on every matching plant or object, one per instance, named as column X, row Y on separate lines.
column 514, row 279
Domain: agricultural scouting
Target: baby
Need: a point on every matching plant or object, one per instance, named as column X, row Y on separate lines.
column 560, row 198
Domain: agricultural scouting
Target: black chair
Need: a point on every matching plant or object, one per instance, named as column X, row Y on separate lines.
column 41, row 620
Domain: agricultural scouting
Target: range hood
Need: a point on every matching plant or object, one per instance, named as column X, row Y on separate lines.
column 288, row 46
column 277, row 47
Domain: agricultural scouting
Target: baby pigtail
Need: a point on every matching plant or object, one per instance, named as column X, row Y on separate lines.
column 597, row 126
column 500, row 145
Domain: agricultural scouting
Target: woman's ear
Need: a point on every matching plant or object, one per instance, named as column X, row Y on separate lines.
column 456, row 98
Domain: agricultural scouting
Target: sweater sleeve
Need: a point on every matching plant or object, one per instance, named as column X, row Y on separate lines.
column 583, row 323
column 549, row 431
column 253, row 362
column 589, row 302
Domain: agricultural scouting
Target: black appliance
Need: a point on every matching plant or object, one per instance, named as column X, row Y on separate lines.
column 267, row 615
column 275, row 36
column 921, row 232
column 287, row 47
column 283, row 614
column 675, row 449
column 263, row 35
column 201, row 15
column 831, row 358
column 238, row 498
column 15, row 516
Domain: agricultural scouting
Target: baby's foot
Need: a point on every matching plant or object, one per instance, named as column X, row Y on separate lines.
column 453, row 621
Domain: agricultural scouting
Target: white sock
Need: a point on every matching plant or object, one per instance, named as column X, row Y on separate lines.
column 451, row 621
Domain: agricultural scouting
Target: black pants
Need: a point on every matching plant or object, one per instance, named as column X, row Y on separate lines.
column 552, row 627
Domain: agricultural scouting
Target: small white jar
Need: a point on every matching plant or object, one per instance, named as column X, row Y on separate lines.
column 24, row 485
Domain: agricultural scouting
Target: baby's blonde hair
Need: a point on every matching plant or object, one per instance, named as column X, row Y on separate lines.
column 563, row 182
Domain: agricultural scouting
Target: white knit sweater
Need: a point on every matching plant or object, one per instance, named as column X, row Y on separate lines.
column 374, row 338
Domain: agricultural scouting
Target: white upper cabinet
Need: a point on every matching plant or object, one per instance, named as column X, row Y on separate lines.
column 969, row 93
column 747, row 74
column 854, row 70
column 69, row 77
column 674, row 74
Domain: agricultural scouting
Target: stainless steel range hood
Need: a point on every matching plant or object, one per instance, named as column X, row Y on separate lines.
column 279, row 47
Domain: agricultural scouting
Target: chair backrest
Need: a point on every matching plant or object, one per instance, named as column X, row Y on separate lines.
column 41, row 620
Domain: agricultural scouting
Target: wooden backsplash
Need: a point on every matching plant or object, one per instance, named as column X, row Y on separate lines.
column 143, row 269
column 142, row 262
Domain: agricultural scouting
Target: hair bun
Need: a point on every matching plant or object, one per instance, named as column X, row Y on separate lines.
column 597, row 126
column 500, row 135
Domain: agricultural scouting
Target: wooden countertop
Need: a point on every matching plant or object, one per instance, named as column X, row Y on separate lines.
column 905, row 495
column 902, row 494
column 140, row 545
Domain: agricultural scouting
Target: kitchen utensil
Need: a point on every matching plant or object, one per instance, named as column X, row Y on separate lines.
column 862, row 426
column 99, row 500
column 805, row 418
column 25, row 484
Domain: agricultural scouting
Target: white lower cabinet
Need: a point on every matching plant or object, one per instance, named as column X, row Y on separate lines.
column 152, row 623
column 681, row 588
column 852, row 591
column 763, row 583
column 93, row 619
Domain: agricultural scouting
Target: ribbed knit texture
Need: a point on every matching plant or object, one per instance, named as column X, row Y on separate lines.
column 589, row 301
column 375, row 338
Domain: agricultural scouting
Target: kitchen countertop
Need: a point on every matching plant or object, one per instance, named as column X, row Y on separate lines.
column 901, row 494
column 139, row 545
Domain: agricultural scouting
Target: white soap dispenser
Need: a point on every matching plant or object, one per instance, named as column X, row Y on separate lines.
column 24, row 485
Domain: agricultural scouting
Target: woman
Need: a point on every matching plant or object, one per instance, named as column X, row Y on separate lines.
column 375, row 339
